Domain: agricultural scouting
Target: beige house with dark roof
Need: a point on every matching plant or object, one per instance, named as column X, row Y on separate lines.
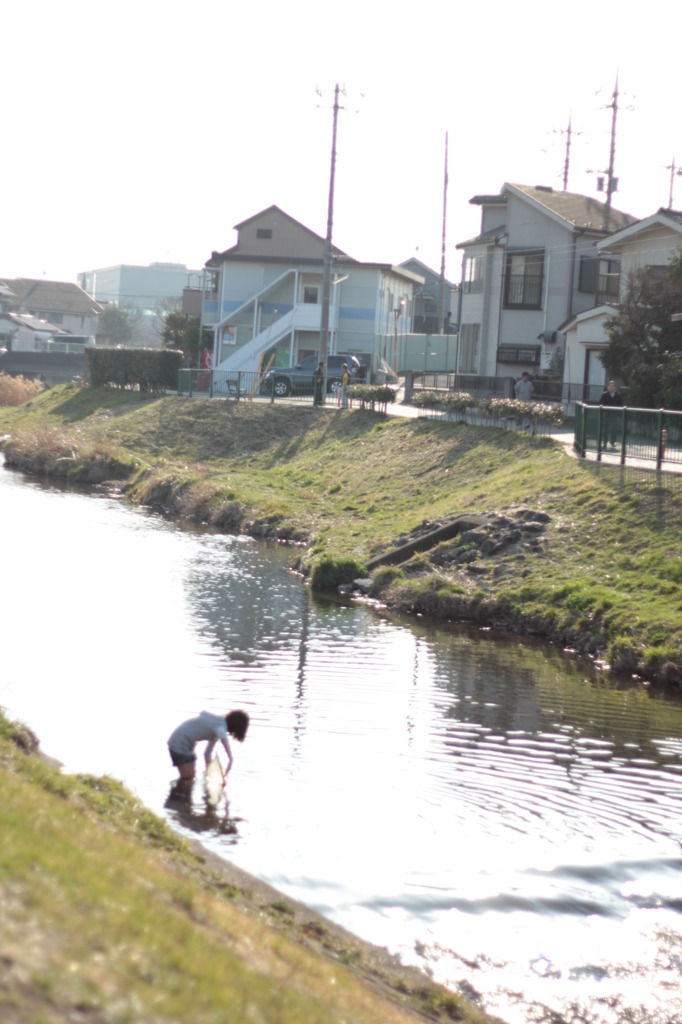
column 533, row 266
column 61, row 303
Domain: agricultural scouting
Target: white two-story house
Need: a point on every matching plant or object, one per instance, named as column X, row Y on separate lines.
column 649, row 243
column 263, row 299
column 534, row 265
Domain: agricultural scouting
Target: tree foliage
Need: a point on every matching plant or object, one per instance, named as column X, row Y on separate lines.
column 645, row 344
column 114, row 326
column 182, row 331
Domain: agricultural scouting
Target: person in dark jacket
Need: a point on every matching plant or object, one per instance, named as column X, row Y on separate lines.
column 318, row 384
column 611, row 399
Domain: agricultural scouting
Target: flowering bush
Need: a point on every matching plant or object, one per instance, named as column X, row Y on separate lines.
column 536, row 414
column 498, row 411
column 371, row 394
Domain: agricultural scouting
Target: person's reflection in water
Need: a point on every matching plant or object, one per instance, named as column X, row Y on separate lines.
column 212, row 816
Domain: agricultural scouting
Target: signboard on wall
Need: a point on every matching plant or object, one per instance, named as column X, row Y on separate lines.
column 229, row 335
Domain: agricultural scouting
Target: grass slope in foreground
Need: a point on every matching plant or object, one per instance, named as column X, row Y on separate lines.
column 109, row 918
column 606, row 579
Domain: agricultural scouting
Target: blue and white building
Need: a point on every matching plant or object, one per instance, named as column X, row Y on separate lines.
column 262, row 297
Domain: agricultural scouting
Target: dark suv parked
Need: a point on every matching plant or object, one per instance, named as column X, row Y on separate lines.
column 298, row 380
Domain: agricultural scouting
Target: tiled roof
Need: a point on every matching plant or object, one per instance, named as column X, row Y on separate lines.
column 51, row 296
column 582, row 212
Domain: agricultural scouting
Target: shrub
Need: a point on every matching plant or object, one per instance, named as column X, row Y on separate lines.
column 17, row 390
column 624, row 655
column 329, row 572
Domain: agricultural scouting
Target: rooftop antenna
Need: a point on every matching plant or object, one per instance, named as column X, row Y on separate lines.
column 567, row 157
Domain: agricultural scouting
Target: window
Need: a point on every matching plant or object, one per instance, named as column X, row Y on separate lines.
column 523, row 280
column 57, row 318
column 608, row 285
column 263, row 232
column 473, row 274
column 528, row 354
column 587, row 279
column 468, row 348
column 310, row 293
column 599, row 277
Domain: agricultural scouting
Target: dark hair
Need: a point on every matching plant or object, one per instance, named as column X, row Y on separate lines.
column 237, row 724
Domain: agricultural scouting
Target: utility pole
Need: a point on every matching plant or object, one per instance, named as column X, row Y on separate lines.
column 441, row 294
column 612, row 183
column 673, row 171
column 327, row 266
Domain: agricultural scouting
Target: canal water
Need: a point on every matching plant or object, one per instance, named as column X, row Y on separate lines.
column 491, row 810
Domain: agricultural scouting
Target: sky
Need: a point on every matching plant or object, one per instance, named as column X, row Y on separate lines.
column 143, row 131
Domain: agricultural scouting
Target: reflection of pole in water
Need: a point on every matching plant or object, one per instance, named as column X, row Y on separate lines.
column 299, row 716
column 412, row 699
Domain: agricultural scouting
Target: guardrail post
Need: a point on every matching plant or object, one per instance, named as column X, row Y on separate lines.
column 191, row 382
column 239, row 384
column 579, row 430
column 409, row 387
column 600, row 432
column 623, row 436
column 661, row 444
column 210, row 386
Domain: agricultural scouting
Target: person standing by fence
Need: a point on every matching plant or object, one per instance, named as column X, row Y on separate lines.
column 344, row 385
column 523, row 391
column 610, row 399
column 318, row 384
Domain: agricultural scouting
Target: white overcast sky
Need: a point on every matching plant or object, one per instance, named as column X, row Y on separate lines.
column 144, row 131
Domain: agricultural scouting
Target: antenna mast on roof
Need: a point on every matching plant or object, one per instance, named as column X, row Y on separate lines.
column 568, row 153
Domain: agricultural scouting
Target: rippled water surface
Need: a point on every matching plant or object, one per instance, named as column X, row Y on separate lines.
column 488, row 809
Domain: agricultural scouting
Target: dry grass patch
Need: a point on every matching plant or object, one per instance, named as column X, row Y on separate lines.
column 17, row 390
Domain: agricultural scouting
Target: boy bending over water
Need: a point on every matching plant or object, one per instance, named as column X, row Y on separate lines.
column 208, row 727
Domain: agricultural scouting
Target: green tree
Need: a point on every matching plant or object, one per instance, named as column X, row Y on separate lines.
column 645, row 343
column 182, row 331
column 114, row 326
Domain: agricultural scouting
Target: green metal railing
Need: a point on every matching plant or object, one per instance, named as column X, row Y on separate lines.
column 649, row 435
column 217, row 383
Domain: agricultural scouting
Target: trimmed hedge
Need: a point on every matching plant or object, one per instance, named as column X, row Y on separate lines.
column 139, row 369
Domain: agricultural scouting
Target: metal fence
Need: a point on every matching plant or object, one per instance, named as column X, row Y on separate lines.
column 240, row 384
column 649, row 435
column 479, row 387
column 217, row 383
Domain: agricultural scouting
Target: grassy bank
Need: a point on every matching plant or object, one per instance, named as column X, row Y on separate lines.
column 602, row 573
column 108, row 916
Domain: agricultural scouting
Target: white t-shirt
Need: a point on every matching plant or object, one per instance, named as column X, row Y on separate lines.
column 206, row 727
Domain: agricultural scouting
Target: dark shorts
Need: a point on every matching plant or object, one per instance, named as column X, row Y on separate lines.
column 179, row 759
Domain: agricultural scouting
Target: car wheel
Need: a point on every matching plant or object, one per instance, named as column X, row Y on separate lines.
column 282, row 387
column 334, row 387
